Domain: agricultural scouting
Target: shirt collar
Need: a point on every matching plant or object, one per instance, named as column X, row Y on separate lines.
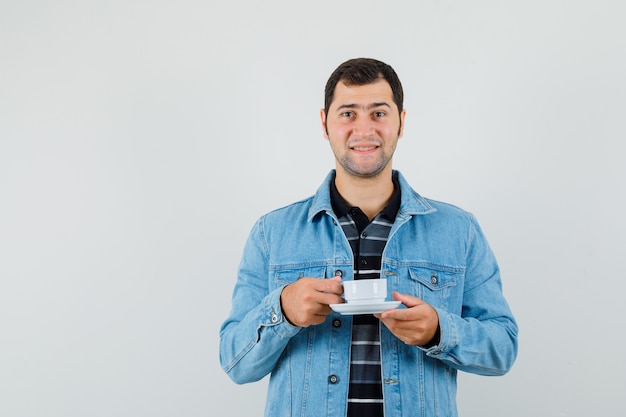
column 341, row 207
column 411, row 203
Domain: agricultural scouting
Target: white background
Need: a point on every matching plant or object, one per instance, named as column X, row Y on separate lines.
column 139, row 141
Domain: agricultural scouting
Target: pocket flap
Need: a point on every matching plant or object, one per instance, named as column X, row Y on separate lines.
column 289, row 275
column 433, row 278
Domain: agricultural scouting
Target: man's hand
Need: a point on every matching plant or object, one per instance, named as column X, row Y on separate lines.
column 305, row 301
column 415, row 325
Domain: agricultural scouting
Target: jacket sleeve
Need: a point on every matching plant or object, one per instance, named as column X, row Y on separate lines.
column 483, row 338
column 255, row 333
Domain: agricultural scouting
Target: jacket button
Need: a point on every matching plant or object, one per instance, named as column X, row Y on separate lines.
column 274, row 318
column 336, row 323
column 338, row 273
column 433, row 278
column 333, row 379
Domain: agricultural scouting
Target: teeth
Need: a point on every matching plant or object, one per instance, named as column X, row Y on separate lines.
column 359, row 148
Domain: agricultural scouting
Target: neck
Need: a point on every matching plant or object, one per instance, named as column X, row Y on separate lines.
column 371, row 194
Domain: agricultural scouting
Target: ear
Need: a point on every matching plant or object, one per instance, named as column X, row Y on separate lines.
column 401, row 131
column 323, row 119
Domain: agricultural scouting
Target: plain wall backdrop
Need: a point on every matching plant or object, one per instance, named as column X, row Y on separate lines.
column 140, row 140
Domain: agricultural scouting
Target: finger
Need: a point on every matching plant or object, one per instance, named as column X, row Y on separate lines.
column 406, row 299
column 333, row 286
column 330, row 298
column 400, row 314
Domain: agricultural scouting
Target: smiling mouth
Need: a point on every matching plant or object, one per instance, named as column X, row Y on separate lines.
column 364, row 148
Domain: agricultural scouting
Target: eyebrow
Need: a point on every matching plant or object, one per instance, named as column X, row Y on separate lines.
column 368, row 107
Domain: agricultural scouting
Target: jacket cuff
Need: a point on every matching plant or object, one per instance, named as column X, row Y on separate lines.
column 447, row 335
column 274, row 318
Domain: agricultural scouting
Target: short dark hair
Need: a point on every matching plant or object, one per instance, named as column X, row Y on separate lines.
column 361, row 71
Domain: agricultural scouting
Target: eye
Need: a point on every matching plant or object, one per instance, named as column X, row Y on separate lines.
column 378, row 114
column 347, row 114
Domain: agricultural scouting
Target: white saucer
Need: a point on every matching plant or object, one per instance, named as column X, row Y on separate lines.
column 364, row 308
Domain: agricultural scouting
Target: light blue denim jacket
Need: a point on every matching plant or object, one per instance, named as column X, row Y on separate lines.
column 435, row 251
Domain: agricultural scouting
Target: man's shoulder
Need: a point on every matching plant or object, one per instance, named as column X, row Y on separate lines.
column 296, row 209
column 445, row 207
column 451, row 215
column 297, row 205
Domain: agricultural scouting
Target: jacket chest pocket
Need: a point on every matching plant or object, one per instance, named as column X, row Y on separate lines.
column 287, row 275
column 435, row 285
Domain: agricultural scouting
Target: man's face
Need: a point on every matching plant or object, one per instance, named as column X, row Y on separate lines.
column 363, row 127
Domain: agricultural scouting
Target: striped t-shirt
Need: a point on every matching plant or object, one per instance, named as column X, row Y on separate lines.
column 367, row 239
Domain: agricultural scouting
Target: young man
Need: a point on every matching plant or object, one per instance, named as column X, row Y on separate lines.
column 365, row 221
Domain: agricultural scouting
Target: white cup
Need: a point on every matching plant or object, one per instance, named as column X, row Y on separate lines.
column 365, row 291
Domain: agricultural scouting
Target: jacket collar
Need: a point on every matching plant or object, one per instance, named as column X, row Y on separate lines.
column 411, row 203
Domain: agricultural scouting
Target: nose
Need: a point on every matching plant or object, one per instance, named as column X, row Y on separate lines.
column 363, row 127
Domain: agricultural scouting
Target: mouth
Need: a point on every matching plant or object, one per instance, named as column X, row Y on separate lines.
column 364, row 148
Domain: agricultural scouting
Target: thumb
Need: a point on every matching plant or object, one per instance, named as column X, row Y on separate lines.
column 407, row 300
